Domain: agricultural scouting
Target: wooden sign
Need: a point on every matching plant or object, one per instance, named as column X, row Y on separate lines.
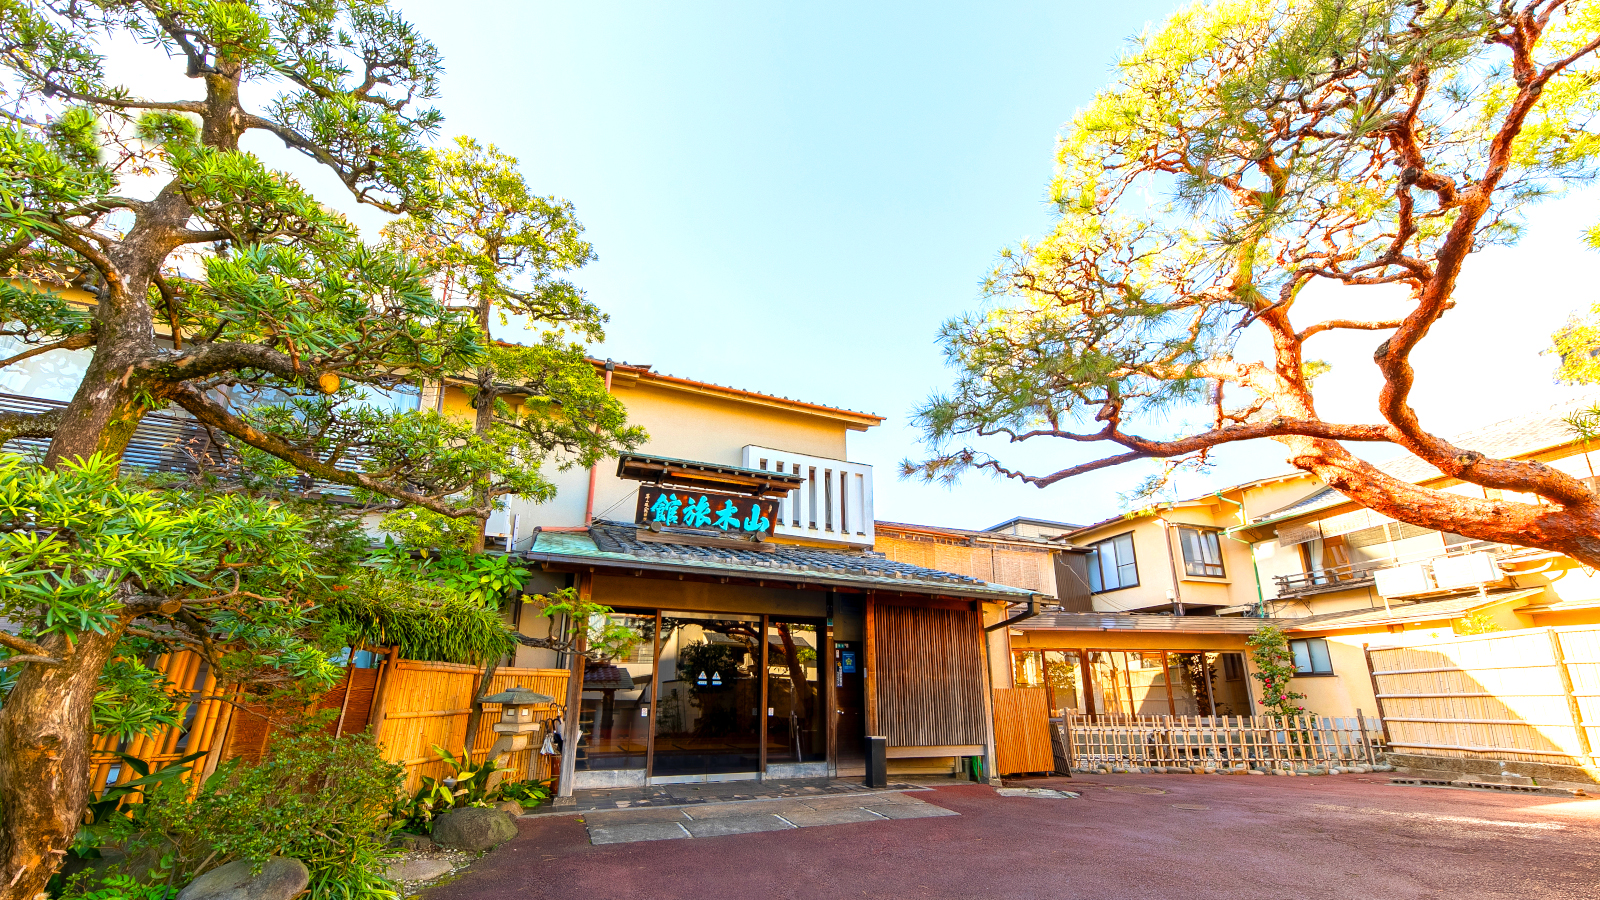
column 712, row 511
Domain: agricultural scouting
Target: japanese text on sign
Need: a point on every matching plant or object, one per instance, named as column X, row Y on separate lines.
column 728, row 513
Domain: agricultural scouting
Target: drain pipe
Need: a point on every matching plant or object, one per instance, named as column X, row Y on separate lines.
column 1032, row 610
column 1172, row 565
column 1261, row 598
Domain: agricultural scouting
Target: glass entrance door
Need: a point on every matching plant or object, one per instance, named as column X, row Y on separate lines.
column 796, row 731
column 708, row 718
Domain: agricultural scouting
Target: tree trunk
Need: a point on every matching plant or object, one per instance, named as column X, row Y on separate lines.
column 45, row 730
column 482, row 422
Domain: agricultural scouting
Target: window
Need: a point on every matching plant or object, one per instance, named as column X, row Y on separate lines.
column 1311, row 657
column 1111, row 564
column 1202, row 552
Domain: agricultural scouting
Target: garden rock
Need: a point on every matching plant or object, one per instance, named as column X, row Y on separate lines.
column 419, row 868
column 280, row 879
column 473, row 828
column 509, row 806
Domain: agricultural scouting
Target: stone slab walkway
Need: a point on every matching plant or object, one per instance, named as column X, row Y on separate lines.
column 673, row 795
column 621, row 826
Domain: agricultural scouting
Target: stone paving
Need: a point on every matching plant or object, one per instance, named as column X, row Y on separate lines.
column 672, row 795
column 621, row 826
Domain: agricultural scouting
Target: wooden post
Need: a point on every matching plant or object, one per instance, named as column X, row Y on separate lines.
column 569, row 737
column 380, row 695
column 655, row 702
column 1573, row 709
column 830, row 692
column 761, row 755
column 1377, row 695
column 476, row 716
column 870, row 660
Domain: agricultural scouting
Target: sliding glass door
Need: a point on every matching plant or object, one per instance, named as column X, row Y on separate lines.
column 708, row 719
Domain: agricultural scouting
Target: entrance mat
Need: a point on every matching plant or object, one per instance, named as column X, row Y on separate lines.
column 675, row 795
column 622, row 826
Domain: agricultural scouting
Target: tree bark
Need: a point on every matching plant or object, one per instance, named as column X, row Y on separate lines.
column 45, row 729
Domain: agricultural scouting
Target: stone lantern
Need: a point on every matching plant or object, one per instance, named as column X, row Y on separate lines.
column 517, row 728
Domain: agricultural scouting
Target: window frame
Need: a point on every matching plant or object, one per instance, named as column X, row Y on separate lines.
column 1311, row 657
column 1183, row 550
column 1096, row 573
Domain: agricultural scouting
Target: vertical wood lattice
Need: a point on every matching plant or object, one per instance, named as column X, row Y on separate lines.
column 1022, row 731
column 929, row 674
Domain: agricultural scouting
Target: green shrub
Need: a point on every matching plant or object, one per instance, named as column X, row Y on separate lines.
column 315, row 798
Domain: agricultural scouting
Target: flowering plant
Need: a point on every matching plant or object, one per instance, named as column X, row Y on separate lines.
column 1273, row 666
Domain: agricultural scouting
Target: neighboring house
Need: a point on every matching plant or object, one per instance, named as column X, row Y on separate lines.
column 1176, row 557
column 1343, row 577
column 1031, row 556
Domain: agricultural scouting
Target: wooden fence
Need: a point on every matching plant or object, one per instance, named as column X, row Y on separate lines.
column 422, row 704
column 1226, row 741
column 1531, row 695
column 1022, row 731
column 427, row 704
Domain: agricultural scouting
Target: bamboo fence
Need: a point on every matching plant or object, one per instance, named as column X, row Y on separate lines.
column 415, row 705
column 1531, row 695
column 1265, row 742
column 427, row 704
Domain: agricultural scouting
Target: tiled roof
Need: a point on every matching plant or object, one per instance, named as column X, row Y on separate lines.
column 617, row 544
column 1520, row 436
column 1098, row 621
column 1418, row 611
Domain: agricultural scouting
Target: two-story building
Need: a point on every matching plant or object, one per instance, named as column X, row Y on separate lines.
column 739, row 540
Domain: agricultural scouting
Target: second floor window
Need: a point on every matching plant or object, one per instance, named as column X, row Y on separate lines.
column 1202, row 552
column 1111, row 564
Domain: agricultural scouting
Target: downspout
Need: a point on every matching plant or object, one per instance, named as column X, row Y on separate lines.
column 1172, row 565
column 1030, row 612
column 1261, row 598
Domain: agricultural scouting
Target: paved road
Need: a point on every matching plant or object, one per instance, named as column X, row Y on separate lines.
column 1129, row 837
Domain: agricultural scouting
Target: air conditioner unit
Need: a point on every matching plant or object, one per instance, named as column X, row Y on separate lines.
column 1402, row 581
column 1466, row 571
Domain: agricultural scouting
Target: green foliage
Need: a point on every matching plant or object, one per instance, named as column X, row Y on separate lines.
column 318, row 799
column 135, row 700
column 526, row 794
column 1273, row 665
column 1480, row 622
column 425, row 621
column 1244, row 151
column 467, row 785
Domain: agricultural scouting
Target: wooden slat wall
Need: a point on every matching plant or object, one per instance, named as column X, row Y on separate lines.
column 1497, row 696
column 928, row 667
column 427, row 705
column 1024, row 568
column 1022, row 731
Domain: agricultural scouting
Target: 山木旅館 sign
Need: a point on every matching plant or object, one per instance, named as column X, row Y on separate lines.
column 711, row 511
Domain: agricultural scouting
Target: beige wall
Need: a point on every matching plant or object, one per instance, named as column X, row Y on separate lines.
column 1156, row 570
column 684, row 423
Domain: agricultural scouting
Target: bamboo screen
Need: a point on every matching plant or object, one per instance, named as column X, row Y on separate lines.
column 1022, row 731
column 204, row 720
column 928, row 671
column 1032, row 569
column 427, row 704
column 1516, row 695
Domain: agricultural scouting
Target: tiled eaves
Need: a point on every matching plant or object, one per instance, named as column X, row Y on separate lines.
column 617, row 546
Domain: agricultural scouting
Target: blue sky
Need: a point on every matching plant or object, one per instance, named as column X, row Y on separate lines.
column 791, row 198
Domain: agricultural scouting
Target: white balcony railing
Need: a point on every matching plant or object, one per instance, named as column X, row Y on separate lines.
column 835, row 503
